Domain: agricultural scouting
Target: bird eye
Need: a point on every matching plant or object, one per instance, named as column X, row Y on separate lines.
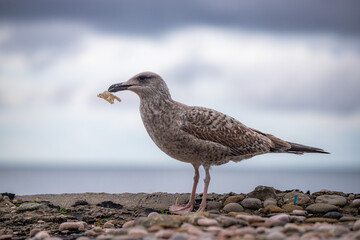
column 143, row 77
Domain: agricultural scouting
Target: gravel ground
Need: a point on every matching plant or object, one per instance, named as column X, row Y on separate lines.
column 264, row 213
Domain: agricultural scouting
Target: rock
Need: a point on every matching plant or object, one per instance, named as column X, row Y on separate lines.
column 213, row 205
column 6, row 237
column 129, row 224
column 302, row 198
column 83, row 238
column 234, row 199
column 276, row 236
column 213, row 229
column 262, row 193
column 244, row 231
column 166, row 233
column 320, row 219
column 291, row 207
column 153, row 214
column 30, row 207
column 161, row 220
column 41, row 235
column 233, row 207
column 297, row 219
column 285, row 218
column 331, row 199
column 270, row 201
column 291, row 227
column 251, row 218
column 34, row 231
column 356, row 225
column 251, row 203
column 228, row 221
column 206, row 222
column 299, row 212
column 335, row 215
column 138, row 231
column 273, row 209
column 321, row 208
column 348, row 219
column 179, row 236
column 73, row 226
column 108, row 225
column 355, row 203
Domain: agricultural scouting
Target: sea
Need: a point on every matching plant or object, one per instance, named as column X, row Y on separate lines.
column 55, row 180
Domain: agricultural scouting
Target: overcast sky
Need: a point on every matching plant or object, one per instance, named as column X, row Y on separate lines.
column 290, row 68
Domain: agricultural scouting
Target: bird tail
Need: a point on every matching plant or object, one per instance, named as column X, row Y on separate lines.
column 300, row 149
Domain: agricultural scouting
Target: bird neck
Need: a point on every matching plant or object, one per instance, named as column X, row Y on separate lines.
column 156, row 102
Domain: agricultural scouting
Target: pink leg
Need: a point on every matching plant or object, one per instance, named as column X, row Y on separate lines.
column 181, row 209
column 206, row 186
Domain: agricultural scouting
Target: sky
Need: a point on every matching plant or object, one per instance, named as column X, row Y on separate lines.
column 289, row 68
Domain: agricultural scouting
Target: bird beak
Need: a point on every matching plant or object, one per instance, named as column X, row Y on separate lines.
column 119, row 87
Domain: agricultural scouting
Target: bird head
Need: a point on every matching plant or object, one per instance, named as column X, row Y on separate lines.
column 144, row 84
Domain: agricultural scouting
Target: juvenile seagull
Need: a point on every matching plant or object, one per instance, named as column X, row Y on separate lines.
column 198, row 135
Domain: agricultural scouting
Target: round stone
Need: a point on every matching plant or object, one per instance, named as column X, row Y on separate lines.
column 270, row 201
column 214, row 205
column 233, row 207
column 331, row 199
column 137, row 231
column 235, row 199
column 355, row 203
column 302, row 198
column 207, row 222
column 276, row 236
column 356, row 225
column 273, row 209
column 251, row 203
column 153, row 214
column 30, row 207
column 263, row 192
column 335, row 215
column 321, row 208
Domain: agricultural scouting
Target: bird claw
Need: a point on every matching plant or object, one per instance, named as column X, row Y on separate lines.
column 181, row 209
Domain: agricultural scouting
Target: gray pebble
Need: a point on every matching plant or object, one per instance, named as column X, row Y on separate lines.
column 251, row 203
column 321, row 208
column 233, row 207
column 213, row 205
column 30, row 207
column 270, row 201
column 331, row 199
column 335, row 215
column 179, row 236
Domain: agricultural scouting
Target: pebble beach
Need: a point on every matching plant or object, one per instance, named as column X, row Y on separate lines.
column 264, row 213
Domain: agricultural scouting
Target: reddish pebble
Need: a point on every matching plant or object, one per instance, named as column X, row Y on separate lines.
column 165, row 233
column 108, row 225
column 355, row 203
column 153, row 214
column 137, row 231
column 129, row 224
column 34, row 231
column 207, row 222
column 245, row 230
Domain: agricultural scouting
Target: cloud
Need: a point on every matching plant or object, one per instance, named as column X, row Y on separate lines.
column 144, row 17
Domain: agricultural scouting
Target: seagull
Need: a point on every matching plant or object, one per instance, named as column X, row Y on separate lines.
column 197, row 135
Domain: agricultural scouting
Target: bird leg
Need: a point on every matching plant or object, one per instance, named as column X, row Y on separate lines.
column 181, row 209
column 206, row 186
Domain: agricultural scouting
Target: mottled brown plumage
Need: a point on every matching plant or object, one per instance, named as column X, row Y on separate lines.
column 197, row 135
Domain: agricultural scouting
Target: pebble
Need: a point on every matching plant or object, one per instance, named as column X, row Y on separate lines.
column 273, row 209
column 356, row 225
column 30, row 207
column 297, row 219
column 166, row 233
column 207, row 222
column 251, row 203
column 321, row 208
column 262, row 193
column 6, row 237
column 213, row 205
column 213, row 229
column 335, row 215
column 245, row 230
column 291, row 227
column 153, row 214
column 291, row 207
column 34, row 231
column 108, row 225
column 233, row 207
column 285, row 218
column 270, row 201
column 299, row 212
column 162, row 220
column 331, row 199
column 355, row 203
column 228, row 221
column 179, row 236
column 320, row 219
column 138, row 231
column 301, row 200
column 251, row 218
column 129, row 224
column 276, row 236
column 234, row 199
column 73, row 226
column 41, row 235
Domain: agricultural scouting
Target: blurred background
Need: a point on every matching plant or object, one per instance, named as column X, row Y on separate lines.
column 290, row 68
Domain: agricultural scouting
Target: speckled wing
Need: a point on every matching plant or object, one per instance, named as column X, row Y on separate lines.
column 210, row 125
